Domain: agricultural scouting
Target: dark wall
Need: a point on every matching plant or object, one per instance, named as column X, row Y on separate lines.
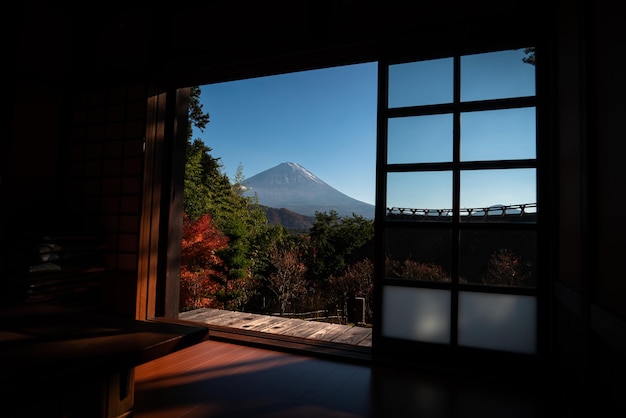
column 607, row 89
column 79, row 76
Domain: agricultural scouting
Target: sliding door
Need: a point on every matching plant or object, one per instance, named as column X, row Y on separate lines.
column 458, row 169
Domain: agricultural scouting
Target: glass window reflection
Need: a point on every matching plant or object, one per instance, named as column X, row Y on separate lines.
column 498, row 135
column 420, row 139
column 418, row 254
column 455, row 216
column 420, row 190
column 420, row 83
column 496, row 75
column 486, row 194
column 498, row 258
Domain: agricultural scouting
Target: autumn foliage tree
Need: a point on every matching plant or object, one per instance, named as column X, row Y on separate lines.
column 202, row 269
column 356, row 281
column 415, row 270
column 208, row 190
column 508, row 269
column 288, row 280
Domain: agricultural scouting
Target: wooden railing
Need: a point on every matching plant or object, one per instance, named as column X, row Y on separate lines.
column 496, row 210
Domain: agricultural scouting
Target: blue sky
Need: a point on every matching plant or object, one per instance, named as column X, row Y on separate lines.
column 325, row 120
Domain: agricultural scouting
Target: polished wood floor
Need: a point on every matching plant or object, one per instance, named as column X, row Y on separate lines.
column 223, row 379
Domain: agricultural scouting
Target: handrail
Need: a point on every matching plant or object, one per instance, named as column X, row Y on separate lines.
column 502, row 210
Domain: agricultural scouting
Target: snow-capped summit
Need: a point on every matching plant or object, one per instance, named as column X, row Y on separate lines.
column 291, row 186
column 285, row 174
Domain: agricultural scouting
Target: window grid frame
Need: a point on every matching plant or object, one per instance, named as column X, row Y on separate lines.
column 456, row 167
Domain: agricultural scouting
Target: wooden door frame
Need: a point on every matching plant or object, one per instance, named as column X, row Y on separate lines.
column 161, row 225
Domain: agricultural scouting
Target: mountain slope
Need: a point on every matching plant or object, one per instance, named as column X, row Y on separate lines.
column 290, row 220
column 291, row 186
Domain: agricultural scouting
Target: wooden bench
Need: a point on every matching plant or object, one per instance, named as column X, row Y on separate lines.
column 58, row 361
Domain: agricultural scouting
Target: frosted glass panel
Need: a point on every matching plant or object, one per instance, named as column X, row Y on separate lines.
column 498, row 322
column 416, row 314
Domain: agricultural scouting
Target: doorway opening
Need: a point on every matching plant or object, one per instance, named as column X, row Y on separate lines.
column 278, row 225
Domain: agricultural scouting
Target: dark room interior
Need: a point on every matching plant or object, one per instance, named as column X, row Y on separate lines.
column 92, row 162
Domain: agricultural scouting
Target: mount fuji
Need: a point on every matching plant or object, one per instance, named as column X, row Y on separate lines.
column 291, row 186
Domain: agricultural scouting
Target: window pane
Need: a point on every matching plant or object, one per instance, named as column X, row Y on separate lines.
column 487, row 195
column 496, row 75
column 418, row 254
column 425, row 194
column 498, row 322
column 416, row 314
column 498, row 258
column 420, row 83
column 498, row 135
column 419, row 139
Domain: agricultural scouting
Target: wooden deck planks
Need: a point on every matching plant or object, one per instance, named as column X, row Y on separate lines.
column 360, row 336
column 277, row 325
column 266, row 322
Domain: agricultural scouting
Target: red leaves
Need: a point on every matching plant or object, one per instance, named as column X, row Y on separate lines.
column 201, row 267
column 201, row 240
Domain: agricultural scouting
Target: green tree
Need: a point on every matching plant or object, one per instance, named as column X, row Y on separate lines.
column 238, row 217
column 202, row 175
column 244, row 223
column 530, row 56
column 261, row 243
column 337, row 242
column 197, row 116
column 208, row 190
column 200, row 168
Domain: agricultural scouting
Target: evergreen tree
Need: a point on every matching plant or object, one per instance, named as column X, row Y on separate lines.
column 200, row 168
column 208, row 190
column 197, row 116
column 530, row 56
column 338, row 242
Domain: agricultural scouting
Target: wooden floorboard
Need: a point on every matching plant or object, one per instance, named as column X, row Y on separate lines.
column 221, row 379
column 277, row 325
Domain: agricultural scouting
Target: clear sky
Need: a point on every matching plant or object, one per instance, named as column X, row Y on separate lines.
column 325, row 120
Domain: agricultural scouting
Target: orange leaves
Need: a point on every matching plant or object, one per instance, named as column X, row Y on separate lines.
column 200, row 243
column 201, row 267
